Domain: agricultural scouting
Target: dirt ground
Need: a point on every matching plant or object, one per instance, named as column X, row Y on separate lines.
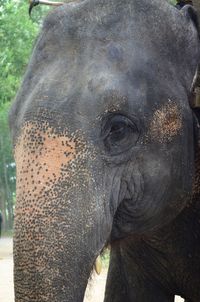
column 6, row 269
column 94, row 291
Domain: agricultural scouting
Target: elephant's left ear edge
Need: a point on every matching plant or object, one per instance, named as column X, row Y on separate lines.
column 190, row 12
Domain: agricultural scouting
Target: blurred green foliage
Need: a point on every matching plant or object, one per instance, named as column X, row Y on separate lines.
column 105, row 257
column 173, row 2
column 7, row 169
column 17, row 33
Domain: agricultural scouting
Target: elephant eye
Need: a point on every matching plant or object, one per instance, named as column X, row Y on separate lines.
column 120, row 133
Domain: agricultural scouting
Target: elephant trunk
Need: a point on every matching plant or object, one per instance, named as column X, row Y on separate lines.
column 60, row 217
column 52, row 264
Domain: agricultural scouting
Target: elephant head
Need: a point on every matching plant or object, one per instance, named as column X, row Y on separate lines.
column 103, row 137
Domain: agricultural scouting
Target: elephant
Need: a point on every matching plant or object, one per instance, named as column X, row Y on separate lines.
column 106, row 145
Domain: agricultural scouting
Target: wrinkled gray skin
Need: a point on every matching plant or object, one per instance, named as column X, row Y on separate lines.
column 104, row 147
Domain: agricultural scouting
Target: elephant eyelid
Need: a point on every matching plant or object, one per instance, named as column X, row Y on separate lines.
column 119, row 133
column 118, row 118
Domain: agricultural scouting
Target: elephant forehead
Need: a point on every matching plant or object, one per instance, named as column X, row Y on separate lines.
column 166, row 123
column 43, row 157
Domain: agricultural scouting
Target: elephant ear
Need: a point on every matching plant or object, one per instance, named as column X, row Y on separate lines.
column 194, row 99
column 191, row 13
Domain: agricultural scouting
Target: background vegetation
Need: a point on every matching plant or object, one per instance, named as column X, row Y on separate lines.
column 17, row 35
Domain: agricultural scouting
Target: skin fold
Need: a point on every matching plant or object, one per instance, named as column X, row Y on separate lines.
column 106, row 149
column 157, row 266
